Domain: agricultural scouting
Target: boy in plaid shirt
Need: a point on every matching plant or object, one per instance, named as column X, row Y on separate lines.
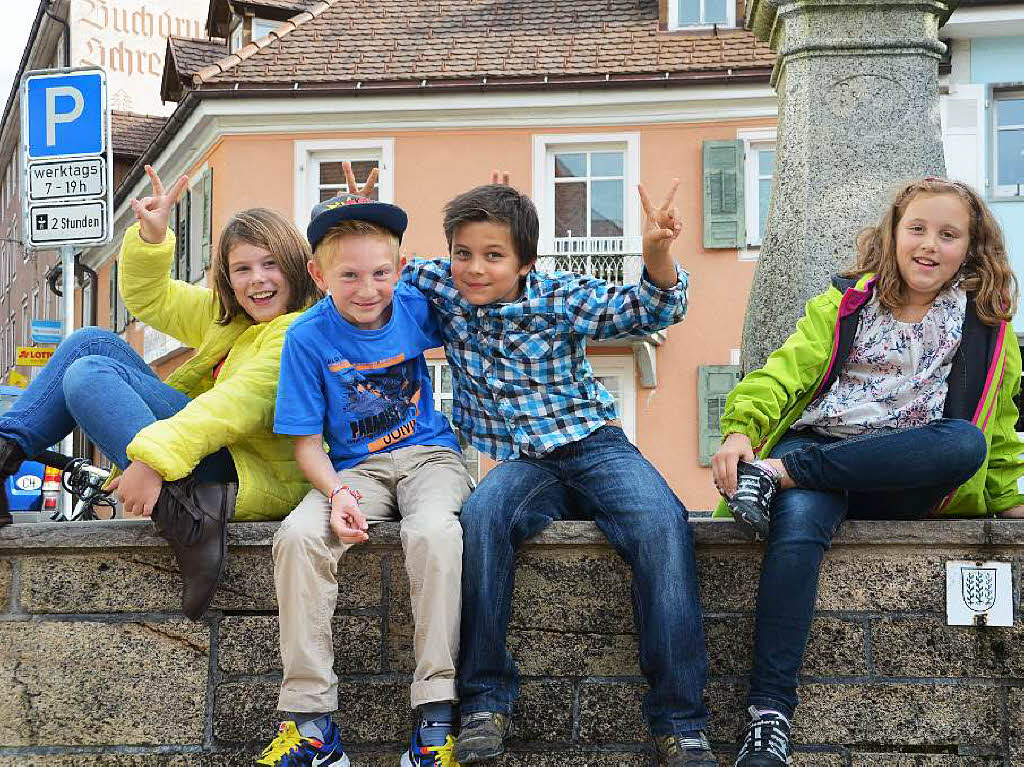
column 525, row 394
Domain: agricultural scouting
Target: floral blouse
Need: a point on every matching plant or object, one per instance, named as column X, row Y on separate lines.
column 895, row 376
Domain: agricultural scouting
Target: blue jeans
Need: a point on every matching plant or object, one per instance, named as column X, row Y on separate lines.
column 97, row 381
column 899, row 475
column 605, row 478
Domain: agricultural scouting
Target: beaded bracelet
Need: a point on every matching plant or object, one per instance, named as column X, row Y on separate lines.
column 351, row 491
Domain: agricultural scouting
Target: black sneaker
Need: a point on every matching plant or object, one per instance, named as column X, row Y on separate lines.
column 751, row 503
column 679, row 750
column 482, row 736
column 766, row 742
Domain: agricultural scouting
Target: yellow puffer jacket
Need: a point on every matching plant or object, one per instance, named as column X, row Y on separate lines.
column 239, row 410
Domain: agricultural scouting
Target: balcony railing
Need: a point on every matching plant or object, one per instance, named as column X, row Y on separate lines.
column 615, row 260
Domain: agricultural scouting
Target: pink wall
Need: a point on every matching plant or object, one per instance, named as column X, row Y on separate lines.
column 433, row 166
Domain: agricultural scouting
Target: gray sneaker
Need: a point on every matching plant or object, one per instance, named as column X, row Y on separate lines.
column 680, row 750
column 481, row 736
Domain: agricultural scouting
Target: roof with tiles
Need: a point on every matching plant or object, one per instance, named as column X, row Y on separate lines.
column 131, row 133
column 191, row 55
column 185, row 57
column 367, row 41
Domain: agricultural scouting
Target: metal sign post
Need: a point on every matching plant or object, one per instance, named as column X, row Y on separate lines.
column 67, row 172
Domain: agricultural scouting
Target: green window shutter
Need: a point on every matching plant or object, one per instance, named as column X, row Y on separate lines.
column 714, row 382
column 207, row 218
column 182, row 234
column 723, row 194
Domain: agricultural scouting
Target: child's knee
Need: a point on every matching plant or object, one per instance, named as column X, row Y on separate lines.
column 80, row 378
column 967, row 448
column 433, row 535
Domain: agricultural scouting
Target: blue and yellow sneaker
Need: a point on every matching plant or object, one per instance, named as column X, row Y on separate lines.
column 420, row 755
column 292, row 748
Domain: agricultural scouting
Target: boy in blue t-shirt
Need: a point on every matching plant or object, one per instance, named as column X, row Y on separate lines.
column 353, row 375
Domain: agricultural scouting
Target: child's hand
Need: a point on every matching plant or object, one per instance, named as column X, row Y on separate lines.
column 138, row 488
column 154, row 212
column 501, row 177
column 735, row 448
column 661, row 224
column 347, row 522
column 353, row 187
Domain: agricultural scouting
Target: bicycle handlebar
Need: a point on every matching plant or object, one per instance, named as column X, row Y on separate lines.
column 54, row 459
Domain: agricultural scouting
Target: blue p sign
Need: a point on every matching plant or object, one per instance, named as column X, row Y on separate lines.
column 65, row 114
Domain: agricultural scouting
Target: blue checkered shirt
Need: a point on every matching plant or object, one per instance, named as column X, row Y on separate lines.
column 522, row 382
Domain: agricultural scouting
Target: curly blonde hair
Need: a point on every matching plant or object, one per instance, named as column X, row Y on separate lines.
column 985, row 274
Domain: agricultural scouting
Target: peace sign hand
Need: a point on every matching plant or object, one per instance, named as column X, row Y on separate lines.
column 661, row 224
column 153, row 212
column 353, row 186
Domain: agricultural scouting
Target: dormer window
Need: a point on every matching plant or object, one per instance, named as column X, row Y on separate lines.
column 262, row 27
column 236, row 34
column 701, row 14
column 245, row 29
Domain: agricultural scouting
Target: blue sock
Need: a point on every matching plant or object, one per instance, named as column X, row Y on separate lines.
column 435, row 722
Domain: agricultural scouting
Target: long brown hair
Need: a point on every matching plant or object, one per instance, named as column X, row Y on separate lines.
column 273, row 232
column 985, row 274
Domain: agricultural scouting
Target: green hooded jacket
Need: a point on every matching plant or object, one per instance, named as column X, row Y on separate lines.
column 237, row 411
column 766, row 403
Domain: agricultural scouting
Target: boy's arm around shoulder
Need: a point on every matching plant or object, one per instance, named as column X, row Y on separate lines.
column 238, row 406
column 599, row 310
column 758, row 403
column 144, row 279
column 1005, row 464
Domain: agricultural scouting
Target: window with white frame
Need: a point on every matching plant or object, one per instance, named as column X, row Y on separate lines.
column 320, row 175
column 263, row 27
column 24, row 320
column 1008, row 123
column 760, row 170
column 589, row 213
column 235, row 37
column 695, row 14
column 617, row 374
column 34, row 305
column 441, row 383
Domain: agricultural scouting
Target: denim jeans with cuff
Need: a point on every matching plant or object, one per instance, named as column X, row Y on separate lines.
column 893, row 475
column 602, row 477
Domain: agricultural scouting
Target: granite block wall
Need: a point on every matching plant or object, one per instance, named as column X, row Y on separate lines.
column 98, row 667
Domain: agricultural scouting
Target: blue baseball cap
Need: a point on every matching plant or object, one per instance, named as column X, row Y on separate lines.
column 353, row 207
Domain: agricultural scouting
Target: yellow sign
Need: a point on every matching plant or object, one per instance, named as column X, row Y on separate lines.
column 34, row 356
column 14, row 378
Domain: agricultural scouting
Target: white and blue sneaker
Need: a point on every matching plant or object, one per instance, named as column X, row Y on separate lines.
column 420, row 755
column 312, row 745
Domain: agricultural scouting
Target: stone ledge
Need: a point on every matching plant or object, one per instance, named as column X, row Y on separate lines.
column 123, row 533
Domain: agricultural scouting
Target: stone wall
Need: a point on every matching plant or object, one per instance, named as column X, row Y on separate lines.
column 98, row 667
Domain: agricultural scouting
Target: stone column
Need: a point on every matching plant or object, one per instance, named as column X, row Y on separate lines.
column 857, row 82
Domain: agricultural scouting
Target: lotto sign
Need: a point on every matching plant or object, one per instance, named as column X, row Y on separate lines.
column 34, row 356
column 66, row 163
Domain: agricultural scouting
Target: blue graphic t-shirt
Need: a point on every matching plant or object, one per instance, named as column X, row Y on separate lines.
column 366, row 391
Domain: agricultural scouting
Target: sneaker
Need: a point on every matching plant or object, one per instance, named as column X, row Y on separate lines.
column 482, row 735
column 751, row 503
column 419, row 755
column 679, row 750
column 293, row 749
column 766, row 742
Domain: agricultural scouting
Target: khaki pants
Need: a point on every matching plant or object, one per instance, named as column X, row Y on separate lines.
column 423, row 486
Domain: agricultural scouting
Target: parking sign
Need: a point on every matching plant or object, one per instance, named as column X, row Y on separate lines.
column 67, row 190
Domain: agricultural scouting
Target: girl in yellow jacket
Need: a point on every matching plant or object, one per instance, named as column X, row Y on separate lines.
column 211, row 421
column 892, row 400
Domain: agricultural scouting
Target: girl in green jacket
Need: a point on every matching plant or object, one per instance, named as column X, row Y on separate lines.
column 186, row 445
column 892, row 400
